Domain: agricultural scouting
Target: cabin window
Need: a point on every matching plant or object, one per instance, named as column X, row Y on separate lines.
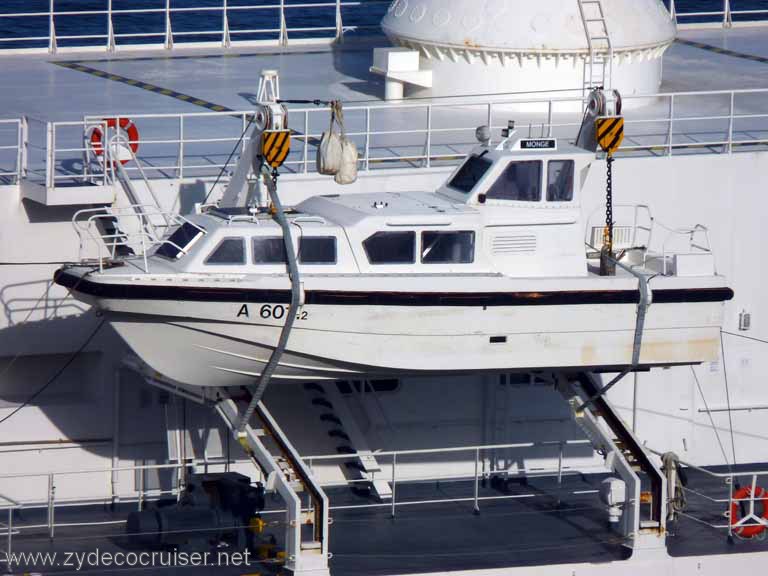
column 269, row 250
column 448, row 247
column 560, row 180
column 391, row 248
column 229, row 251
column 317, row 250
column 470, row 173
column 520, row 181
column 180, row 241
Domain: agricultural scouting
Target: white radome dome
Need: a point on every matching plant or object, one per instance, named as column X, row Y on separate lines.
column 528, row 45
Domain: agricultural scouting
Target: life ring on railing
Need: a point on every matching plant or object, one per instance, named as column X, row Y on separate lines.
column 745, row 493
column 127, row 134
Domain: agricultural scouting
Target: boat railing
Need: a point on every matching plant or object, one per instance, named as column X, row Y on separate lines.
column 637, row 231
column 736, row 490
column 683, row 241
column 124, row 233
column 198, row 146
column 470, row 465
column 220, row 23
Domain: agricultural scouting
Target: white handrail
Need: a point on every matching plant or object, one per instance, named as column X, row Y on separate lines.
column 730, row 481
column 226, row 34
column 169, row 38
column 732, row 128
column 666, row 134
column 13, row 137
column 88, row 225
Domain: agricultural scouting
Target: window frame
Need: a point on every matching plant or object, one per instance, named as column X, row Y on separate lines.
column 501, row 175
column 413, row 235
column 182, row 250
column 480, row 157
column 472, row 234
column 244, row 261
column 282, row 262
column 335, row 251
column 572, row 179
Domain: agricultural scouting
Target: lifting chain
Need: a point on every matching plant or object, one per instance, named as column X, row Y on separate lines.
column 608, row 240
column 607, row 262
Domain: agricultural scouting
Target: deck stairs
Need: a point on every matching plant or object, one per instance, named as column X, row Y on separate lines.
column 598, row 64
column 364, row 458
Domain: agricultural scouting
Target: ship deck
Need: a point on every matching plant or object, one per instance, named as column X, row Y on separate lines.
column 535, row 530
column 520, row 524
column 215, row 89
column 75, row 85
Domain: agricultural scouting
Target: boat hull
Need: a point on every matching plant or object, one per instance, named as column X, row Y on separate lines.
column 224, row 334
column 337, row 342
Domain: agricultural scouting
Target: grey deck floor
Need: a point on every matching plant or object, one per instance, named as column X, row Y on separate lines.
column 528, row 531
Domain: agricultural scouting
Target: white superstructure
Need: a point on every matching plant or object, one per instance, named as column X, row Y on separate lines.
column 503, row 46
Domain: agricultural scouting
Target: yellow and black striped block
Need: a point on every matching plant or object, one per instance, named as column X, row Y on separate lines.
column 275, row 146
column 610, row 133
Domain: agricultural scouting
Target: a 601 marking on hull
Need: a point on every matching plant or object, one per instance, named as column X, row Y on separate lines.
column 271, row 312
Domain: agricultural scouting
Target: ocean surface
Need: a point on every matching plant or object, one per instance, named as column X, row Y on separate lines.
column 192, row 24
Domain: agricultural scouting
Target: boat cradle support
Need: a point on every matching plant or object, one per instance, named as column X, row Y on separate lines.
column 305, row 555
column 644, row 514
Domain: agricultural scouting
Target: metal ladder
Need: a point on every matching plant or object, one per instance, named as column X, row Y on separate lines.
column 598, row 67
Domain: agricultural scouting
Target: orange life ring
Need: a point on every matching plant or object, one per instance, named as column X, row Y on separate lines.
column 126, row 125
column 745, row 493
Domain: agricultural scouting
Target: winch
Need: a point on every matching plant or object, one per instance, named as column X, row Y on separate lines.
column 213, row 508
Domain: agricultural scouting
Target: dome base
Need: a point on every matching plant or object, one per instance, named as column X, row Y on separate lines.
column 533, row 80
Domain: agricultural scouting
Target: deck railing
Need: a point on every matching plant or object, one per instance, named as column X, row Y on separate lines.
column 726, row 17
column 10, row 506
column 13, row 136
column 737, row 490
column 277, row 22
column 224, row 24
column 471, row 465
column 408, row 135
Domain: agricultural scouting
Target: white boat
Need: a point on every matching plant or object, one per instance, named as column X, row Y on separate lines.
column 489, row 273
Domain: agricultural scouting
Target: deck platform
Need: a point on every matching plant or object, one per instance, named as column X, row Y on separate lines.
column 527, row 523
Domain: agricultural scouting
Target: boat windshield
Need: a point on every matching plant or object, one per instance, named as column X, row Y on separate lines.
column 470, row 173
column 179, row 243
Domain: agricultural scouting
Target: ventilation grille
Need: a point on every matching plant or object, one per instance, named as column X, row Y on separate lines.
column 523, row 244
column 622, row 237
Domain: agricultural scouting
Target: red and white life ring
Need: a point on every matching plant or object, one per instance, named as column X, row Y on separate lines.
column 127, row 131
column 745, row 493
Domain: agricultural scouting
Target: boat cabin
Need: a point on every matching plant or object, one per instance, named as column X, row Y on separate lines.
column 511, row 209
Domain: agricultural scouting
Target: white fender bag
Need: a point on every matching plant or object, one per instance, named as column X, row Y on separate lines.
column 347, row 173
column 329, row 153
